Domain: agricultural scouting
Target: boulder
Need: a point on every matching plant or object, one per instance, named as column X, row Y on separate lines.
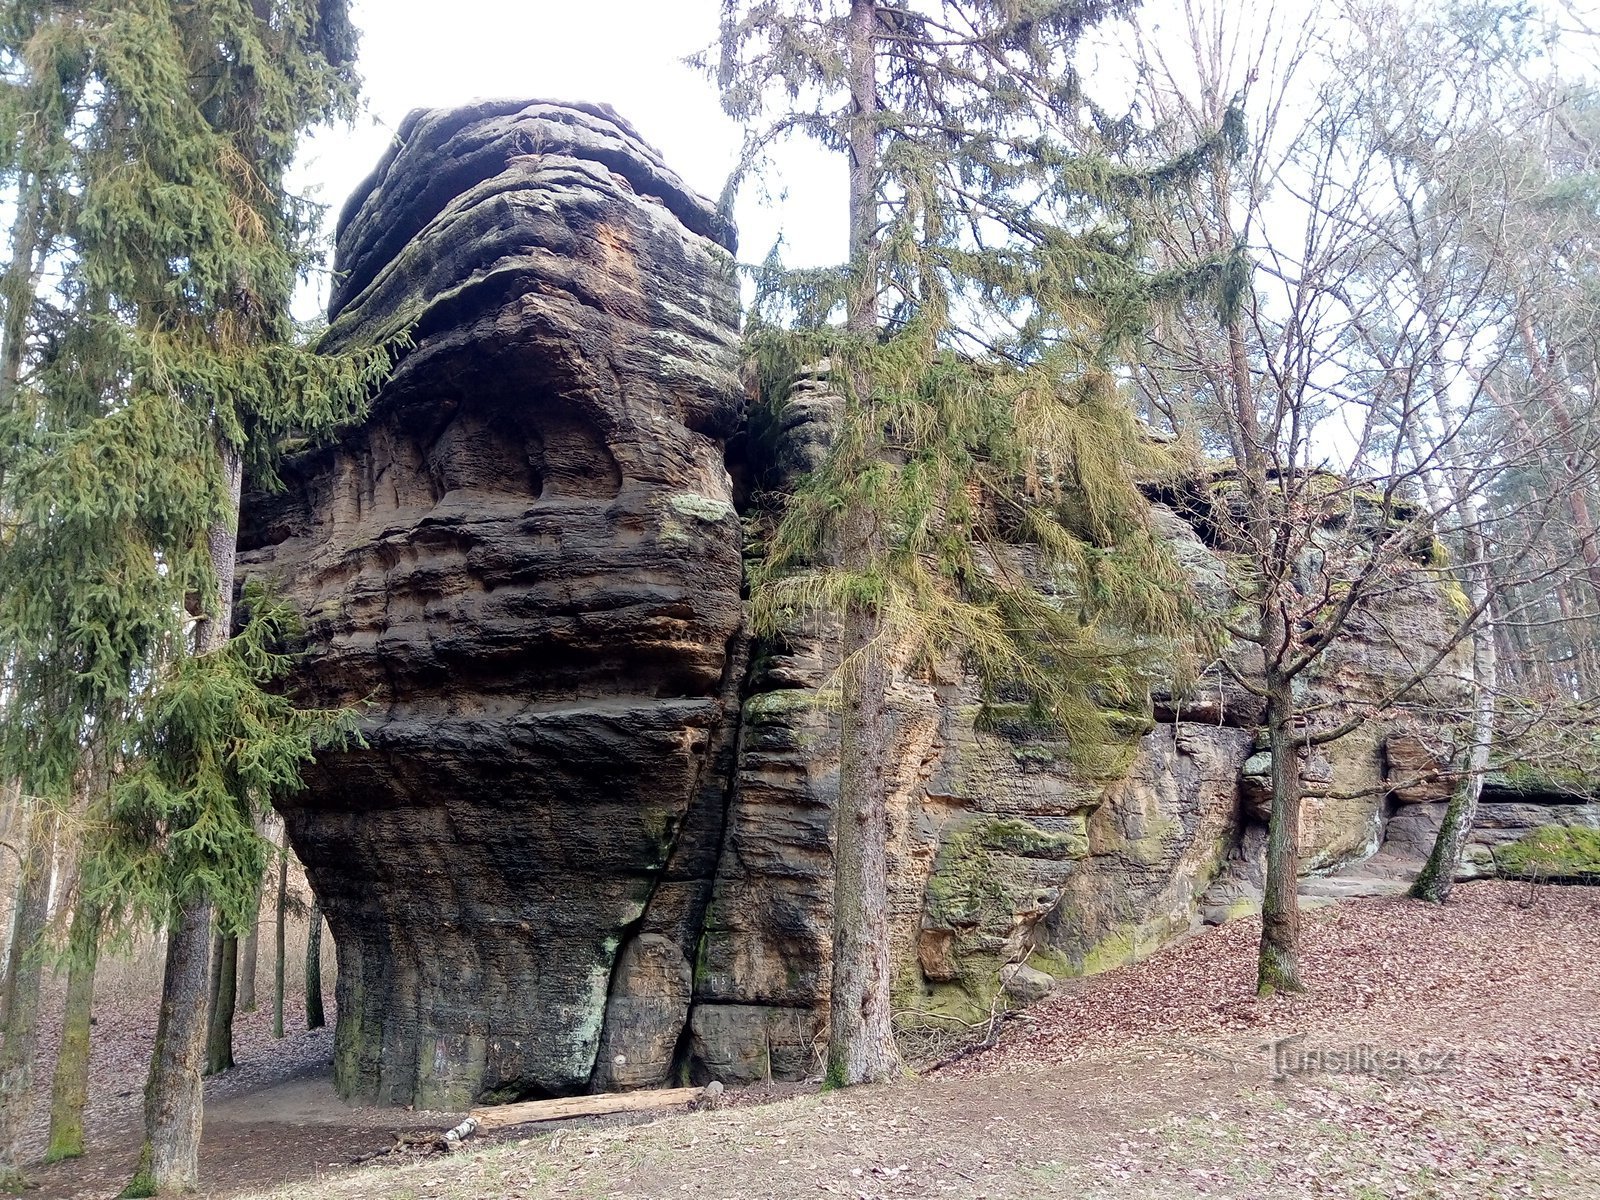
column 1025, row 984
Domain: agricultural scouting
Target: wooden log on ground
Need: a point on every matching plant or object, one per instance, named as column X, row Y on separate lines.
column 502, row 1115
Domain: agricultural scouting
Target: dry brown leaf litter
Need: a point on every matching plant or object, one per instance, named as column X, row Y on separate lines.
column 1150, row 1081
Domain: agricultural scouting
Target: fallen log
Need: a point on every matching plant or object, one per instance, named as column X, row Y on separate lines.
column 500, row 1116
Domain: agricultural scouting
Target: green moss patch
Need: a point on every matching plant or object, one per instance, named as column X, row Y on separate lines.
column 1555, row 853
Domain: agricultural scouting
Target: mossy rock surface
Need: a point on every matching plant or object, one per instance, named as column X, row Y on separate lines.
column 990, row 875
column 1553, row 853
column 1540, row 784
column 977, row 879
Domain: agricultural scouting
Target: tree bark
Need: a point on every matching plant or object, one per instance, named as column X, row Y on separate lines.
column 315, row 1018
column 861, row 1047
column 1549, row 388
column 169, row 1161
column 277, row 966
column 22, row 999
column 175, row 1094
column 249, row 954
column 1578, row 671
column 1278, row 962
column 69, row 1090
column 219, row 1037
column 19, row 285
column 213, row 988
column 1438, row 876
column 861, row 315
column 1279, row 967
column 12, row 852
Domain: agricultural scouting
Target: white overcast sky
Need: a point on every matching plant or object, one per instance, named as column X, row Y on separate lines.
column 626, row 53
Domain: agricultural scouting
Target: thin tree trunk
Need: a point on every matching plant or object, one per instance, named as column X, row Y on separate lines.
column 11, row 856
column 69, row 1091
column 1438, row 876
column 277, row 966
column 1549, row 385
column 18, row 289
column 1279, row 967
column 213, row 988
column 1535, row 660
column 861, row 1047
column 1581, row 672
column 19, row 285
column 175, row 1094
column 219, row 1038
column 22, row 999
column 315, row 1018
column 861, row 315
column 249, row 953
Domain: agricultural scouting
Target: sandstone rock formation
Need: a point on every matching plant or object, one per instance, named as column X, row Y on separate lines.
column 1002, row 851
column 526, row 565
column 586, row 842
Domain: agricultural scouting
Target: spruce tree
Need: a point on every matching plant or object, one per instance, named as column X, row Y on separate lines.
column 38, row 97
column 989, row 289
column 157, row 369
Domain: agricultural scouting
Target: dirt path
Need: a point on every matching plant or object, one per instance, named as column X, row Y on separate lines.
column 281, row 1123
column 1440, row 1053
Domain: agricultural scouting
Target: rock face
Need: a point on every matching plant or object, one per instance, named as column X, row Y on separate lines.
column 1509, row 809
column 586, row 842
column 1003, row 854
column 526, row 566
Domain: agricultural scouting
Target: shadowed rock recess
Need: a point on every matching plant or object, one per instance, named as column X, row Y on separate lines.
column 586, row 843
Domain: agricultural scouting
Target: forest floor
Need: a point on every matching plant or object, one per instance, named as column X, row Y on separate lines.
column 1447, row 1052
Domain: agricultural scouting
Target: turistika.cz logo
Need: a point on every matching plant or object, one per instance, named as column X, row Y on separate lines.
column 1291, row 1057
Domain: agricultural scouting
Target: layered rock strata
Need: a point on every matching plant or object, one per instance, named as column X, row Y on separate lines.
column 525, row 568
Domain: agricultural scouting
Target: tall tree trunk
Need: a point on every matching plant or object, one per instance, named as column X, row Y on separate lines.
column 69, row 1091
column 1279, row 966
column 861, row 305
column 219, row 1036
column 19, row 285
column 1581, row 672
column 12, row 853
column 249, row 952
column 169, row 1161
column 1545, row 366
column 22, row 998
column 277, row 964
column 213, row 987
column 315, row 1019
column 175, row 1094
column 861, row 1046
column 1438, row 876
